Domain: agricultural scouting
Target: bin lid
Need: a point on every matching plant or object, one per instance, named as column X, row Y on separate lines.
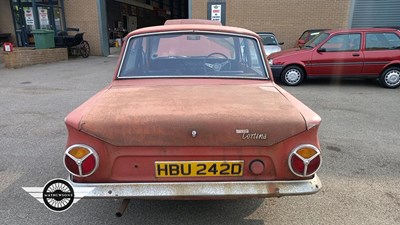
column 42, row 31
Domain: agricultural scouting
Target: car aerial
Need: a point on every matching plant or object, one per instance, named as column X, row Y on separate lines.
column 306, row 36
column 359, row 53
column 190, row 115
column 270, row 42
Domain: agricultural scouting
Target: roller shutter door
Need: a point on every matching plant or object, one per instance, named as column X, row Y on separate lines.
column 376, row 13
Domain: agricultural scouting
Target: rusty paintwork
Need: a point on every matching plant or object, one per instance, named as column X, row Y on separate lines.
column 167, row 115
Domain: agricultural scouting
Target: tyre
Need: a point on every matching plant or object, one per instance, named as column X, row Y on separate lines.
column 390, row 78
column 84, row 49
column 292, row 76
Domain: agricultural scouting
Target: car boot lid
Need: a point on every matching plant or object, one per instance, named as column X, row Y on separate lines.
column 199, row 115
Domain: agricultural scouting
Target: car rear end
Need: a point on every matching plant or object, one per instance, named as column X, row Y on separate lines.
column 209, row 126
column 195, row 148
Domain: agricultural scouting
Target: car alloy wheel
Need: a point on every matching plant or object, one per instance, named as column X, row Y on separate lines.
column 390, row 78
column 292, row 76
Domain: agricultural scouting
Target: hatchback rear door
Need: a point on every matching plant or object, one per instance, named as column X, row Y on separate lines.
column 381, row 48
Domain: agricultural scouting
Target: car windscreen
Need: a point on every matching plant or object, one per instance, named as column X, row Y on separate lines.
column 316, row 40
column 192, row 54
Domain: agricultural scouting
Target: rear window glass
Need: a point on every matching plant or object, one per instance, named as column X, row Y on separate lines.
column 193, row 54
column 382, row 41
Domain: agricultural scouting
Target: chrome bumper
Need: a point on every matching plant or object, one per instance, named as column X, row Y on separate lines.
column 198, row 190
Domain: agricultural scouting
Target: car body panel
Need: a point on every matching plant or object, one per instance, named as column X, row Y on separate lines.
column 115, row 116
column 338, row 63
column 136, row 164
column 271, row 49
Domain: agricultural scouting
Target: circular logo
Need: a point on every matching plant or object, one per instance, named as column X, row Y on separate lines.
column 58, row 195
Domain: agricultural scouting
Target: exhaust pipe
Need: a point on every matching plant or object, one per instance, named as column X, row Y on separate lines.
column 122, row 207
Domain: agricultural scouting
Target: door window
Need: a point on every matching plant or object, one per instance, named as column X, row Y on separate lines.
column 343, row 42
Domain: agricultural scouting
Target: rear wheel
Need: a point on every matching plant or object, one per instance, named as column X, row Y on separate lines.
column 390, row 78
column 292, row 76
column 84, row 49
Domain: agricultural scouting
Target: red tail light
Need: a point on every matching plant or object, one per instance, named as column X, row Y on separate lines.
column 81, row 160
column 71, row 165
column 88, row 165
column 305, row 160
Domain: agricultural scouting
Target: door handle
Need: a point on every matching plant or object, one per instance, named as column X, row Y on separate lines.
column 356, row 54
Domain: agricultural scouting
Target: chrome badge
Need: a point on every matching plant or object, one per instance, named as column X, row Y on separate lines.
column 247, row 135
column 194, row 133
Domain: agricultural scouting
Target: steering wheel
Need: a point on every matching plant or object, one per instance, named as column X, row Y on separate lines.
column 217, row 66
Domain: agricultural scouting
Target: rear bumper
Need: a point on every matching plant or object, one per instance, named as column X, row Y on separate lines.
column 199, row 190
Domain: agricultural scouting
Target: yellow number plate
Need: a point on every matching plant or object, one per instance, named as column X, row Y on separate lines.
column 198, row 168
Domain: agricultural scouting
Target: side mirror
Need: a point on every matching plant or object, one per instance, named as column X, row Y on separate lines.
column 301, row 42
column 321, row 50
column 281, row 43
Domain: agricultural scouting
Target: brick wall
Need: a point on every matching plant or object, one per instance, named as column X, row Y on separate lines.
column 21, row 57
column 6, row 21
column 84, row 15
column 287, row 19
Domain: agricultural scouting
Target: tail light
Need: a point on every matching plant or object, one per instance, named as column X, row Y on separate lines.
column 305, row 160
column 81, row 160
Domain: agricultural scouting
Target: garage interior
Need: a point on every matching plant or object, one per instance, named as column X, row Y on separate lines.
column 124, row 16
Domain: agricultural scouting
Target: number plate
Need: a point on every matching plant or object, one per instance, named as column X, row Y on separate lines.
column 198, row 168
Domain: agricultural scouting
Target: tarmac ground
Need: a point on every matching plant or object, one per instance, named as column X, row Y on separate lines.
column 359, row 136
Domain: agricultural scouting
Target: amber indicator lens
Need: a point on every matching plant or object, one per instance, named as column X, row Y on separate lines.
column 79, row 152
column 306, row 152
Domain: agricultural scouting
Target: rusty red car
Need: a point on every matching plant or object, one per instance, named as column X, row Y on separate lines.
column 193, row 113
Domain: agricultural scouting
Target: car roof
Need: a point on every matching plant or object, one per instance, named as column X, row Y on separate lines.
column 265, row 33
column 190, row 25
column 394, row 27
column 359, row 30
column 192, row 21
column 314, row 30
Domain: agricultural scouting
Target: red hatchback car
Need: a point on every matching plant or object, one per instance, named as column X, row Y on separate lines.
column 361, row 53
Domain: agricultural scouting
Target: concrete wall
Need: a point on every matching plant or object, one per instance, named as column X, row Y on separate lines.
column 287, row 19
column 84, row 15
